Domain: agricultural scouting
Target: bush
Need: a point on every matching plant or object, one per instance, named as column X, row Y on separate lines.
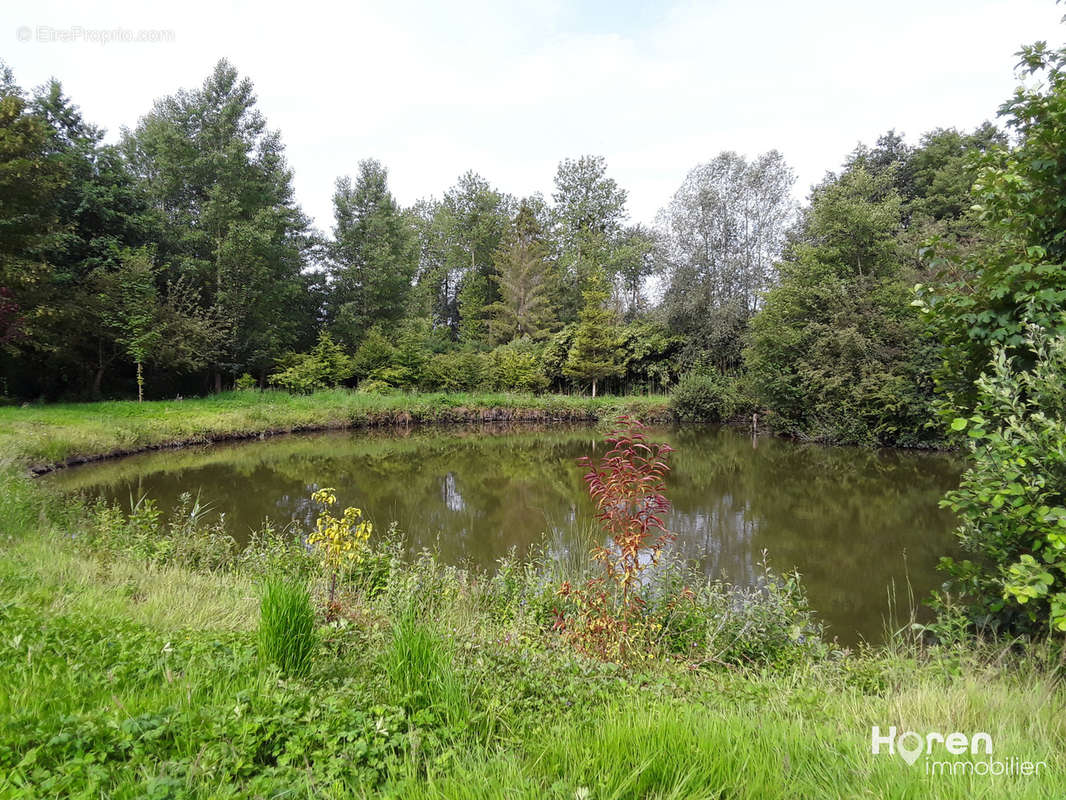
column 375, row 353
column 714, row 622
column 192, row 537
column 397, row 357
column 516, row 367
column 325, row 366
column 703, row 397
column 374, row 386
column 1012, row 500
column 287, row 636
column 453, row 372
column 244, row 383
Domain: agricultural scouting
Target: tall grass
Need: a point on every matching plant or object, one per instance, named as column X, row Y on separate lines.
column 287, row 635
column 418, row 664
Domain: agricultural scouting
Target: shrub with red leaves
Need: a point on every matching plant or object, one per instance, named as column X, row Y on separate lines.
column 628, row 487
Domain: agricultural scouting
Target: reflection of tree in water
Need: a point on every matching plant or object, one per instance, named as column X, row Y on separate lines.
column 719, row 538
column 843, row 517
column 453, row 500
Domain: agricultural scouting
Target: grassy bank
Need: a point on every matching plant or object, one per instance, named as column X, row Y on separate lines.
column 44, row 435
column 130, row 673
column 131, row 667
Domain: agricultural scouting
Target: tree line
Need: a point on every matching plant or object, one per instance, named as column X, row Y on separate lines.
column 177, row 261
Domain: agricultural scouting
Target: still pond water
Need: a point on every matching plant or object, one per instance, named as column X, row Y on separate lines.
column 855, row 523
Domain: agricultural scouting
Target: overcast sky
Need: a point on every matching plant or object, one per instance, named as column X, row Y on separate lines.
column 510, row 88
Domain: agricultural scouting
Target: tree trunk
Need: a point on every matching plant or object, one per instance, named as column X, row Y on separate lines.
column 218, row 382
column 140, row 383
column 98, row 378
column 593, row 387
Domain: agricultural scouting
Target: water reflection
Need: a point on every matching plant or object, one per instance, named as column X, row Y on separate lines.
column 851, row 521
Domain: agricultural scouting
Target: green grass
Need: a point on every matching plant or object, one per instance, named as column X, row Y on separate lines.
column 125, row 675
column 102, row 700
column 41, row 435
column 418, row 664
column 287, row 636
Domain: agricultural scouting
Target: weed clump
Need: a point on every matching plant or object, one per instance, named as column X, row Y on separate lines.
column 287, row 637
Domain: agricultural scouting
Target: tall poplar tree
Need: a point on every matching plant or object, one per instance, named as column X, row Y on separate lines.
column 217, row 178
column 373, row 256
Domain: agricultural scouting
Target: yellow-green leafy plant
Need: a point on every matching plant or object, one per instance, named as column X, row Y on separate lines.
column 339, row 542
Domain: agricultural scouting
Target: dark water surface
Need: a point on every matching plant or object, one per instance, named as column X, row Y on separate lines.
column 852, row 522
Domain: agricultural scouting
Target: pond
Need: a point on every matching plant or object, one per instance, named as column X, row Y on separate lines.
column 857, row 524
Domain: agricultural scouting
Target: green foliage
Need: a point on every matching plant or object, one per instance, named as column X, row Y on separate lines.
column 650, row 354
column 418, row 665
column 135, row 312
column 1012, row 500
column 589, row 211
column 523, row 280
column 375, row 353
column 374, row 386
column 515, row 367
column 373, row 255
column 191, row 537
column 999, row 316
column 724, row 229
column 30, row 176
column 231, row 228
column 632, row 261
column 837, row 353
column 989, row 296
column 443, row 684
column 244, row 383
column 770, row 624
column 461, row 371
column 703, row 397
column 594, row 354
column 240, row 283
column 326, row 366
column 459, row 237
column 397, row 360
column 287, row 637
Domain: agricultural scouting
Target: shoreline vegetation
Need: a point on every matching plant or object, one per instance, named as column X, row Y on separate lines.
column 133, row 656
column 53, row 436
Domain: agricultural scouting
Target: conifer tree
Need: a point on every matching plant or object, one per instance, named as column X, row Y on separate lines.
column 524, row 307
column 595, row 353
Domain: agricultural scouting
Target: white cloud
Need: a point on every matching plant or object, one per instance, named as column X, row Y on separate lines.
column 510, row 89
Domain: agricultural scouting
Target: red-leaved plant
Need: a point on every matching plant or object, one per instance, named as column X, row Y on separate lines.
column 628, row 488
